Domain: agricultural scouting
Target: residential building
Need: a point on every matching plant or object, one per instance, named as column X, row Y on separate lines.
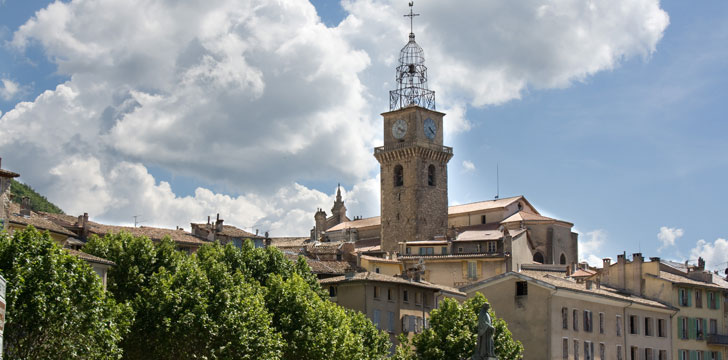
column 557, row 316
column 225, row 234
column 394, row 304
column 699, row 327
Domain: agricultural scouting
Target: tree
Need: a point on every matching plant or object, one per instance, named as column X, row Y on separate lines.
column 453, row 333
column 56, row 305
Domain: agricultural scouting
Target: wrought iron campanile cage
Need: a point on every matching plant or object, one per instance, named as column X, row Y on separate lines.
column 411, row 76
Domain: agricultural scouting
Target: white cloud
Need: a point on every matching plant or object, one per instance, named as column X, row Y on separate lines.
column 715, row 254
column 667, row 236
column 258, row 97
column 590, row 244
column 8, row 89
column 468, row 165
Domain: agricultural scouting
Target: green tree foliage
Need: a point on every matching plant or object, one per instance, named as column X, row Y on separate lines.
column 37, row 202
column 56, row 305
column 224, row 302
column 453, row 334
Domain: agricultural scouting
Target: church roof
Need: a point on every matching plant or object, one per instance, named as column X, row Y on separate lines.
column 527, row 216
column 487, row 205
column 358, row 224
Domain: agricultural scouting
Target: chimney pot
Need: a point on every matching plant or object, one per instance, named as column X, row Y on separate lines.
column 655, row 258
column 208, row 219
column 25, row 206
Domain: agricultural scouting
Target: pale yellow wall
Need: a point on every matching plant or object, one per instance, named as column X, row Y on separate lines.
column 384, row 267
column 454, row 273
column 437, row 249
column 526, row 316
column 474, row 218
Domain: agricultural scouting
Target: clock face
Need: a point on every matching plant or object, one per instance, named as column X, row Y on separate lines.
column 399, row 128
column 430, row 129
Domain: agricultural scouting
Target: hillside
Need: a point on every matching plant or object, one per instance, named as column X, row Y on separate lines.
column 38, row 202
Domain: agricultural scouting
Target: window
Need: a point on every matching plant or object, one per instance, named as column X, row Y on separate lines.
column 575, row 317
column 562, row 260
column 492, row 246
column 375, row 319
column 390, row 321
column 564, row 318
column 576, row 349
column 332, row 291
column 376, row 292
column 405, row 296
column 699, row 328
column 601, row 323
column 714, row 355
column 408, row 250
column 698, row 298
column 648, row 354
column 565, row 348
column 682, row 324
column 588, row 350
column 661, row 328
column 648, row 327
column 472, row 270
column 634, row 324
column 682, row 354
column 427, row 251
column 376, row 270
column 521, row 288
column 713, row 327
column 602, row 351
column 684, row 297
column 460, row 249
column 538, row 257
column 634, row 353
column 398, row 175
column 662, row 355
column 443, row 250
column 390, row 294
column 619, row 352
column 482, row 219
column 619, row 325
column 700, row 355
column 431, row 175
column 713, row 301
column 587, row 321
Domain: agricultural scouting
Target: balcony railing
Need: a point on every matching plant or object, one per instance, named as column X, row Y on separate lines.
column 401, row 145
column 715, row 339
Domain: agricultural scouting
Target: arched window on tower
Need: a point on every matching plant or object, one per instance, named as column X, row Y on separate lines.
column 431, row 175
column 398, row 175
column 562, row 261
column 538, row 257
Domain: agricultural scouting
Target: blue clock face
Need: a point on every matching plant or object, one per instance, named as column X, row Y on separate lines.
column 430, row 129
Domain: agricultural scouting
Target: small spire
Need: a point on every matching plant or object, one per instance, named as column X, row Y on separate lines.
column 411, row 15
column 338, row 193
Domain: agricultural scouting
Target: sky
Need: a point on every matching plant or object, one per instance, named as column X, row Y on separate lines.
column 609, row 115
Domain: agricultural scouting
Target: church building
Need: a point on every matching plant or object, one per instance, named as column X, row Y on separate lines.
column 449, row 245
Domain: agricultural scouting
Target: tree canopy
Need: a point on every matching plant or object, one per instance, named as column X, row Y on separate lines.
column 56, row 305
column 38, row 202
column 227, row 302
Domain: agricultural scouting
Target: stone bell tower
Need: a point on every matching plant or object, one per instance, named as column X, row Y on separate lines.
column 413, row 160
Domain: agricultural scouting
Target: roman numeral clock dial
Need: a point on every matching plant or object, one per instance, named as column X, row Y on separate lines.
column 399, row 129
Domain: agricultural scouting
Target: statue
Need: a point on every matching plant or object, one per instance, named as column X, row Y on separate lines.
column 485, row 349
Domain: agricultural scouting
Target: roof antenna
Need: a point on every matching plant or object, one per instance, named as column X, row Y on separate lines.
column 137, row 222
column 497, row 182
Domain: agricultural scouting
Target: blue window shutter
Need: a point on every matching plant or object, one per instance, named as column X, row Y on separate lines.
column 691, row 329
column 690, row 298
column 718, row 299
column 720, row 355
column 693, row 355
column 679, row 327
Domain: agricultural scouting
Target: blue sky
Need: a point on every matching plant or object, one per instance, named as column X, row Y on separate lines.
column 621, row 151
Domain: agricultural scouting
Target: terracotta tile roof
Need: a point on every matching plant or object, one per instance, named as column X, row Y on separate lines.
column 683, row 280
column 358, row 224
column 451, row 256
column 35, row 219
column 155, row 234
column 426, row 242
column 582, row 273
column 324, row 248
column 67, row 221
column 483, row 205
column 8, row 174
column 381, row 260
column 322, row 267
column 478, row 235
column 232, row 231
column 527, row 216
column 375, row 277
column 90, row 258
column 559, row 280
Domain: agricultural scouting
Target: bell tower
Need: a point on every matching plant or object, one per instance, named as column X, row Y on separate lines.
column 413, row 160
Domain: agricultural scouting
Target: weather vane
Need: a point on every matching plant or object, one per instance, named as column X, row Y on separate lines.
column 411, row 15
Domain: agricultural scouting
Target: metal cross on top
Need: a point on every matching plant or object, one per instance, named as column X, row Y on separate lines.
column 411, row 15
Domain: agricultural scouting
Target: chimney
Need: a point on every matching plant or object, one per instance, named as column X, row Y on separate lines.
column 25, row 206
column 655, row 259
column 218, row 223
column 568, row 270
column 620, row 259
column 637, row 257
column 208, row 219
column 1, row 163
column 606, row 262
